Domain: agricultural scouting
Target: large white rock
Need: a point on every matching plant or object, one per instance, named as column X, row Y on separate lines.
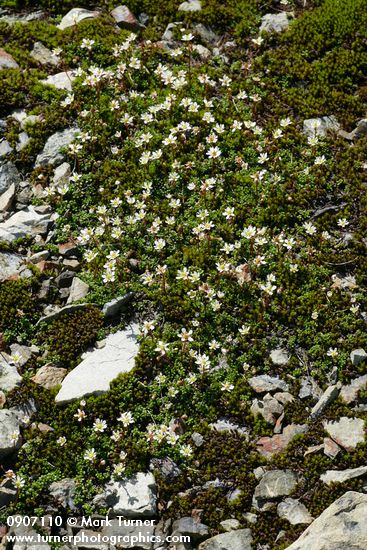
column 24, row 223
column 43, row 55
column 100, row 366
column 10, row 265
column 78, row 290
column 8, row 175
column 340, row 476
column 75, row 16
column 342, row 526
column 133, row 497
column 10, row 438
column 347, row 432
column 62, row 81
column 294, row 511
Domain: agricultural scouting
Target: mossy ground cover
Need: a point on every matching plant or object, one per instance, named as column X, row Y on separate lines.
column 194, row 187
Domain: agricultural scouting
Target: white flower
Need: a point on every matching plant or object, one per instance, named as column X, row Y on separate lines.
column 126, row 419
column 61, row 441
column 343, row 222
column 186, row 451
column 99, row 425
column 309, row 228
column 19, row 482
column 332, row 352
column 185, row 335
column 90, row 455
column 227, row 386
column 162, row 347
column 214, row 152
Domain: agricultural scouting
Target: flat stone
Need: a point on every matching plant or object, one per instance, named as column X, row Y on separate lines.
column 341, row 476
column 272, row 485
column 284, row 397
column 23, row 140
column 49, row 376
column 125, row 18
column 331, row 449
column 9, row 175
column 100, row 366
column 225, row 425
column 342, row 526
column 166, row 467
column 265, row 383
column 7, row 61
column 279, row 356
column 274, row 22
column 62, row 81
column 346, row 432
column 234, row 540
column 9, row 423
column 43, row 55
column 357, row 356
column 115, row 306
column 190, row 5
column 7, row 198
column 24, row 223
column 75, row 16
column 329, row 395
column 9, row 376
column 205, row 33
column 133, row 497
column 349, row 393
column 78, row 290
column 268, row 446
column 360, row 130
column 24, row 353
column 294, row 511
column 51, row 153
column 319, row 127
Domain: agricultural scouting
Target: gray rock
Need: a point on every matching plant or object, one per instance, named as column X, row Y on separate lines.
column 54, row 312
column 340, row 476
column 205, row 33
column 43, row 55
column 189, row 526
column 349, row 393
column 125, row 18
column 265, row 383
column 274, row 22
column 360, row 130
column 28, row 538
column 63, row 492
column 294, row 511
column 329, row 395
column 62, row 174
column 7, row 61
column 133, row 497
column 230, row 524
column 23, row 140
column 341, row 526
column 310, row 388
column 272, row 485
column 25, row 411
column 100, row 366
column 9, row 175
column 10, row 438
column 225, row 425
column 23, row 352
column 49, row 376
column 78, row 290
column 62, row 81
column 9, row 376
column 190, row 5
column 10, row 265
column 75, row 16
column 319, row 127
column 346, row 432
column 51, row 153
column 279, row 356
column 144, row 534
column 167, row 468
column 114, row 307
column 23, row 224
column 5, row 148
column 167, row 36
column 357, row 356
column 269, row 408
column 198, row 439
column 234, row 540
